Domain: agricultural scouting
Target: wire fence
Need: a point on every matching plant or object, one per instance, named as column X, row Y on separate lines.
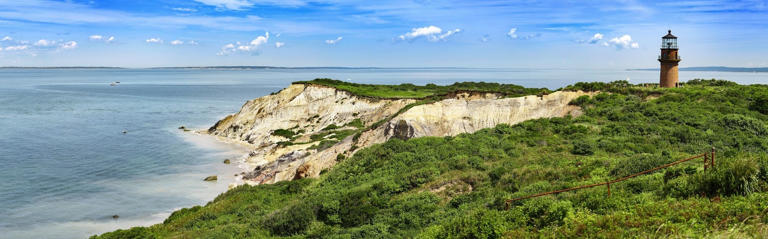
column 709, row 161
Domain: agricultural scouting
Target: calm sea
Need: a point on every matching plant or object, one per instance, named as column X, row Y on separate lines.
column 66, row 167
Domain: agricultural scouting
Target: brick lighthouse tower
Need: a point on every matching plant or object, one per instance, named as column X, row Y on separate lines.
column 669, row 60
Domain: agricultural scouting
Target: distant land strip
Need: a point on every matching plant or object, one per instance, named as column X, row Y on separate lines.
column 713, row 68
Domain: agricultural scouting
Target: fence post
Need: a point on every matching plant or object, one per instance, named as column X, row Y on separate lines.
column 706, row 162
column 713, row 156
column 609, row 188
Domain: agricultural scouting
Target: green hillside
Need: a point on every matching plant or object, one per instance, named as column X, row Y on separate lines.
column 456, row 187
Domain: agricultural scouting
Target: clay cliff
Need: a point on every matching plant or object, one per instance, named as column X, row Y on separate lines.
column 305, row 128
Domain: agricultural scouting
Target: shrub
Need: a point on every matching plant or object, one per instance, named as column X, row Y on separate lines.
column 581, row 101
column 711, row 82
column 638, row 163
column 420, row 176
column 583, row 147
column 330, row 127
column 135, row 232
column 760, row 104
column 374, row 231
column 545, row 211
column 482, row 223
column 283, row 133
column 318, row 230
column 730, row 177
column 745, row 124
column 290, row 220
column 357, row 208
column 357, row 123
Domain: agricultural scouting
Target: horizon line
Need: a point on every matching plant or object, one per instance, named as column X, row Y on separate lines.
column 343, row 67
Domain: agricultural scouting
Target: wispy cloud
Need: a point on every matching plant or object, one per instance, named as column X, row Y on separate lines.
column 512, row 33
column 48, row 11
column 155, row 40
column 6, row 38
column 228, row 4
column 485, row 38
column 531, row 36
column 245, row 4
column 16, row 48
column 431, row 33
column 180, row 42
column 595, row 39
column 102, row 38
column 333, row 41
column 45, row 43
column 253, row 46
column 68, row 45
column 184, row 9
column 279, row 44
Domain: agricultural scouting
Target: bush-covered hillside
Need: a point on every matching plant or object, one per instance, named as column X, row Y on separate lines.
column 455, row 187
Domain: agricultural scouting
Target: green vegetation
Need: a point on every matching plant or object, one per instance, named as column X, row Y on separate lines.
column 456, row 187
column 357, row 123
column 415, row 91
column 284, row 133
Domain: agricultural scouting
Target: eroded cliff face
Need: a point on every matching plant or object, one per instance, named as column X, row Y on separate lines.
column 308, row 109
column 467, row 113
column 305, row 110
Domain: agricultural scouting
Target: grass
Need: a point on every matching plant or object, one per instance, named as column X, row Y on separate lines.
column 411, row 91
column 455, row 187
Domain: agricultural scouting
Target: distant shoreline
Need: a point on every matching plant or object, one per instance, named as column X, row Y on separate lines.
column 700, row 68
column 713, row 68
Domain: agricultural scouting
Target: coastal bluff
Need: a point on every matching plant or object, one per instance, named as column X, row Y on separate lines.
column 306, row 128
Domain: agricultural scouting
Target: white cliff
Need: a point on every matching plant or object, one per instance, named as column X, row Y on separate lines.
column 310, row 108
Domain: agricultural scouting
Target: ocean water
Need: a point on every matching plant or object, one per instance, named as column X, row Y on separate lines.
column 67, row 167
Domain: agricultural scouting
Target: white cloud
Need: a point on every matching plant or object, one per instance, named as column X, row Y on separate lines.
column 7, row 38
column 260, row 39
column 177, row 42
column 240, row 47
column 183, row 9
column 243, row 4
column 192, row 42
column 16, row 48
column 596, row 38
column 334, row 41
column 512, row 33
column 421, row 31
column 101, row 38
column 279, row 44
column 68, row 45
column 155, row 40
column 622, row 42
column 448, row 33
column 228, row 4
column 431, row 33
column 45, row 43
column 485, row 38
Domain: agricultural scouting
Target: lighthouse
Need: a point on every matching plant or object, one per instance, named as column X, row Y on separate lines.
column 669, row 60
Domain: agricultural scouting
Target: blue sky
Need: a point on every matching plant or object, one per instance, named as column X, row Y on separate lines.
column 398, row 33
